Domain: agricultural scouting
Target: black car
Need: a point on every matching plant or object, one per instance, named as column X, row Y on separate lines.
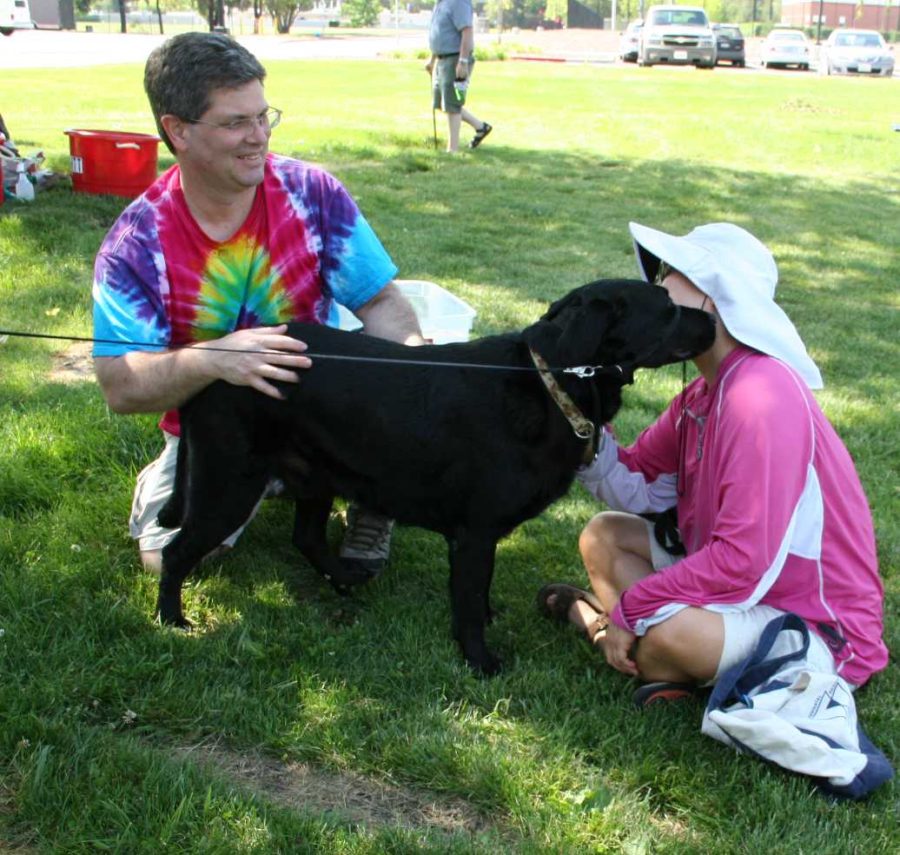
column 729, row 44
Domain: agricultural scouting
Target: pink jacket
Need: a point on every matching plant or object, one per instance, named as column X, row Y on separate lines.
column 772, row 510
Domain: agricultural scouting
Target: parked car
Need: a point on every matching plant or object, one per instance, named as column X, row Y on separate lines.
column 631, row 38
column 785, row 47
column 729, row 44
column 856, row 52
column 677, row 35
column 14, row 15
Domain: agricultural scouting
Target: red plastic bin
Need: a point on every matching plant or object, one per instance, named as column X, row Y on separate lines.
column 113, row 162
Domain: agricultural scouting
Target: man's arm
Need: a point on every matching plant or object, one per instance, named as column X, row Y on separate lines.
column 466, row 50
column 390, row 315
column 146, row 382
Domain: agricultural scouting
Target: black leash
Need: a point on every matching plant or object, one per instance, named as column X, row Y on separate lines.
column 581, row 371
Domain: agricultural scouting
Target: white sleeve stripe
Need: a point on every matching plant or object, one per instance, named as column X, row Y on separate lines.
column 623, row 490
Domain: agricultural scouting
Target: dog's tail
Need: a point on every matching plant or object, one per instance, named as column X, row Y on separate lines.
column 172, row 513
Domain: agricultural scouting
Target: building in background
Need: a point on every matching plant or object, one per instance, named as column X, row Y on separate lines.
column 881, row 15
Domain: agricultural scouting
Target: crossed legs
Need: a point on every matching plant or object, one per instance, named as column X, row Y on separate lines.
column 615, row 548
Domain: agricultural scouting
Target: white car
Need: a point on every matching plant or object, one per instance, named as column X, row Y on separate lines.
column 677, row 35
column 785, row 47
column 628, row 44
column 856, row 52
column 14, row 15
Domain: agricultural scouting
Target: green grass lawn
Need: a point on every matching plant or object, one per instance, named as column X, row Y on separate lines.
column 292, row 721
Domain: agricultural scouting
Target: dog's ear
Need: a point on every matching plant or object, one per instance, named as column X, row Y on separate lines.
column 571, row 331
column 573, row 298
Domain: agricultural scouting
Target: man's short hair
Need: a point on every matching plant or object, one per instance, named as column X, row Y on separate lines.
column 182, row 73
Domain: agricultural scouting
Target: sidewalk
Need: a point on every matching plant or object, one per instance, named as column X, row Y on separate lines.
column 59, row 49
column 568, row 45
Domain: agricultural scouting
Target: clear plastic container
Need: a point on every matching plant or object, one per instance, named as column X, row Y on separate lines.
column 442, row 315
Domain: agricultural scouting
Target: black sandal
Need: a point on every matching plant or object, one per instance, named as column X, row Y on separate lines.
column 564, row 595
column 480, row 134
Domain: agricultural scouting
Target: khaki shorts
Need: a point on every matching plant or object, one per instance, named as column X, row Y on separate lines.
column 153, row 489
column 444, row 95
column 743, row 629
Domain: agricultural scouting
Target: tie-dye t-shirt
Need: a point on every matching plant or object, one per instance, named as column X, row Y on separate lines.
column 160, row 280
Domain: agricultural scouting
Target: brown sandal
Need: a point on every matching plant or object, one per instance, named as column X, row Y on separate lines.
column 564, row 595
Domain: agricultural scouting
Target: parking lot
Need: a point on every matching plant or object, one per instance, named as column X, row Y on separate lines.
column 52, row 48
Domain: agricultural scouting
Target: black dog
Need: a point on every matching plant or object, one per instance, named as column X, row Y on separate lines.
column 470, row 445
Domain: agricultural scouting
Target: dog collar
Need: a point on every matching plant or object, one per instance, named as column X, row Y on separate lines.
column 583, row 427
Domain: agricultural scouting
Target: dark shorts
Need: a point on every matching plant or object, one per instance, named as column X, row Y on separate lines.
column 443, row 89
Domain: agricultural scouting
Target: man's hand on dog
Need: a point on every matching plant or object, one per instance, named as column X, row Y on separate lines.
column 258, row 358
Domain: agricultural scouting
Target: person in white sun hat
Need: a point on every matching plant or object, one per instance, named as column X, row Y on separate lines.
column 771, row 512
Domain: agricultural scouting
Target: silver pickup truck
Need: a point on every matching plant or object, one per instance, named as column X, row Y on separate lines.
column 677, row 35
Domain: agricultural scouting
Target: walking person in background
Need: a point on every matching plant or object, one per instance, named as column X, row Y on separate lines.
column 452, row 42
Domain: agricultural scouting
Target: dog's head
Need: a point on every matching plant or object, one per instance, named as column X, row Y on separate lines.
column 620, row 322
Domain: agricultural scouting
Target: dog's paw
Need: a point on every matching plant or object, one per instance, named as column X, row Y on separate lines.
column 173, row 618
column 346, row 574
column 342, row 590
column 486, row 664
column 180, row 622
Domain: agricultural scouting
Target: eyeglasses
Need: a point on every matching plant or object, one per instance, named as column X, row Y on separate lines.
column 267, row 120
column 662, row 272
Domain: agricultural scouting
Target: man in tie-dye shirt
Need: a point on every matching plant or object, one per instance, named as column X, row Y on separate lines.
column 217, row 255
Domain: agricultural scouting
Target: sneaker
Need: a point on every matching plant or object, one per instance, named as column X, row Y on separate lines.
column 651, row 693
column 480, row 134
column 367, row 540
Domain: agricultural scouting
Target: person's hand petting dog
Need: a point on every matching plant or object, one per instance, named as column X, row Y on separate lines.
column 257, row 357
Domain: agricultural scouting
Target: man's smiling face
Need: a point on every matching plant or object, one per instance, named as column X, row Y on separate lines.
column 228, row 144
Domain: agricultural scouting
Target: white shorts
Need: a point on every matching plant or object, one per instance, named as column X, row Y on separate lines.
column 743, row 628
column 153, row 489
column 742, row 633
column 659, row 556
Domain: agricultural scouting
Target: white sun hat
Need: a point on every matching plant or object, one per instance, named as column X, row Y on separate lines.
column 739, row 274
